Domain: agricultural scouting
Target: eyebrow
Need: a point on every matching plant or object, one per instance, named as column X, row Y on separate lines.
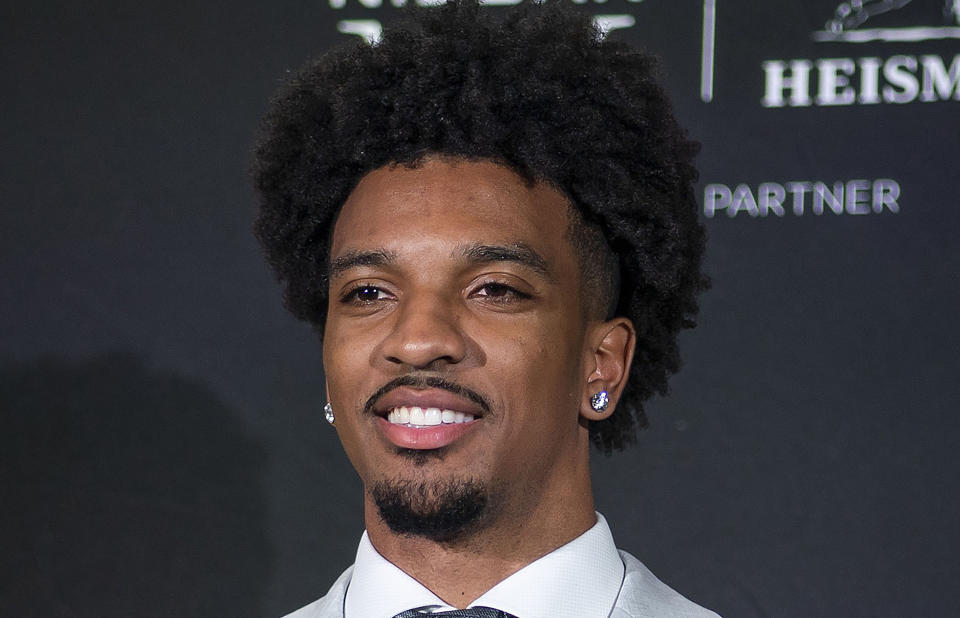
column 518, row 253
column 353, row 259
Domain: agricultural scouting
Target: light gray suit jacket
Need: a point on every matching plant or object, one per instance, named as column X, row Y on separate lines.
column 641, row 596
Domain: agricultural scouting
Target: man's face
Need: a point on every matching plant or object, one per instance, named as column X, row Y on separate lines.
column 455, row 293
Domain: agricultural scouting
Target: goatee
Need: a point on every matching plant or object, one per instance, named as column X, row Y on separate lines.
column 442, row 511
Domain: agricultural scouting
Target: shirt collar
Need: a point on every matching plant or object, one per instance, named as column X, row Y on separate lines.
column 379, row 589
column 579, row 579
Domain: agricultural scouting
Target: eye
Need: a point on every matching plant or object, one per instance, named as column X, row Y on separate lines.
column 365, row 295
column 499, row 292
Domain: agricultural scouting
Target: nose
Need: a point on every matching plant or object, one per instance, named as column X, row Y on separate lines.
column 426, row 334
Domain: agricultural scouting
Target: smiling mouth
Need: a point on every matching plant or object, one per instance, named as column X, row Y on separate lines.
column 416, row 416
column 425, row 413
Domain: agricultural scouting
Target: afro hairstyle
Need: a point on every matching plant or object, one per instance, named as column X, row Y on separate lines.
column 536, row 88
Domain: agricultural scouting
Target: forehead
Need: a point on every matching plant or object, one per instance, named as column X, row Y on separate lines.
column 452, row 202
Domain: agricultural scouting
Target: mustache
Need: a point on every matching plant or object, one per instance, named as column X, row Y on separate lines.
column 423, row 382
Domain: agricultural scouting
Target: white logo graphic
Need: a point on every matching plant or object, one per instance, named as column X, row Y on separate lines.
column 845, row 24
column 707, row 49
column 372, row 29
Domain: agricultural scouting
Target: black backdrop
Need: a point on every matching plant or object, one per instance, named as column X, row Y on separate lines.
column 163, row 449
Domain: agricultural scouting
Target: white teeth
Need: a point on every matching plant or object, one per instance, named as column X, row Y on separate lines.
column 432, row 416
column 416, row 416
column 426, row 417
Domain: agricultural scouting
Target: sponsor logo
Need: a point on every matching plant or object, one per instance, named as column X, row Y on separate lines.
column 799, row 197
column 863, row 81
column 901, row 78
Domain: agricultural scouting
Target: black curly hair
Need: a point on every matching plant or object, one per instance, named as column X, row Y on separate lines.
column 537, row 89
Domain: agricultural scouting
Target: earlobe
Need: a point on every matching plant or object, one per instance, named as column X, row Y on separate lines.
column 613, row 343
column 328, row 413
column 600, row 401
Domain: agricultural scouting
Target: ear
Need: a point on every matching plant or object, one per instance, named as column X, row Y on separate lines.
column 611, row 353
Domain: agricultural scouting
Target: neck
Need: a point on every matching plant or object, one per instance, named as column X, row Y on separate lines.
column 511, row 536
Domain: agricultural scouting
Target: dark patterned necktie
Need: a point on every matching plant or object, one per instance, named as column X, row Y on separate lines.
column 473, row 612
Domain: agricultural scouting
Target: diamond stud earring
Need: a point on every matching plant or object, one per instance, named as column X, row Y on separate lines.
column 599, row 401
column 328, row 412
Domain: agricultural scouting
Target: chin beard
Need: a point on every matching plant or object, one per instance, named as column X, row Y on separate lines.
column 442, row 511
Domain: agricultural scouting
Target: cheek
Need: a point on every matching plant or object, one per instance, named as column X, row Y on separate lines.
column 346, row 353
column 346, row 369
column 541, row 371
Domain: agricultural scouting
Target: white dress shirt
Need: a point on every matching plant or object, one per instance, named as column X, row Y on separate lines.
column 586, row 578
column 581, row 579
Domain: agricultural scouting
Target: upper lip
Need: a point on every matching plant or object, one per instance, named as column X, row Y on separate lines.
column 430, row 396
